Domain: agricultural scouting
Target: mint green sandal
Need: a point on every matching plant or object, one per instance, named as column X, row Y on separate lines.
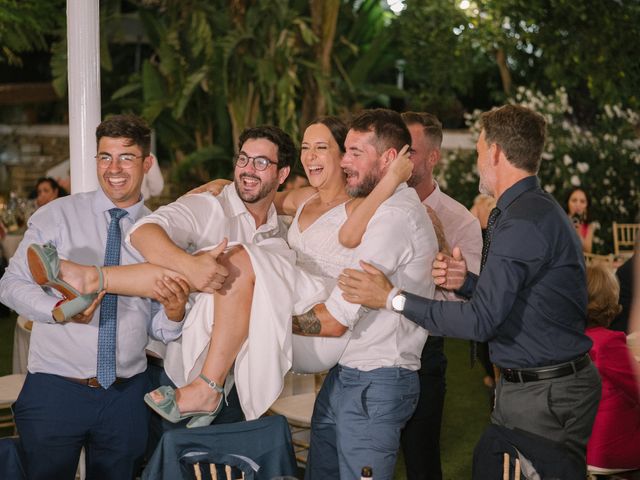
column 168, row 409
column 44, row 265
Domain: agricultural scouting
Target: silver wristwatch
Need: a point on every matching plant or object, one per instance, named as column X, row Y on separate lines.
column 397, row 302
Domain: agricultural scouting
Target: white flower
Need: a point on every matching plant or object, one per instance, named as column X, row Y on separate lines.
column 567, row 160
column 575, row 180
column 547, row 156
column 550, row 188
column 582, row 167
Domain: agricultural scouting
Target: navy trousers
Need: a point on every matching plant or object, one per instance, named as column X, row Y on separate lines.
column 56, row 417
column 357, row 419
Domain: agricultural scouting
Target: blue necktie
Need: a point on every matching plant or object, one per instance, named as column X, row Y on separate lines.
column 106, row 368
column 491, row 222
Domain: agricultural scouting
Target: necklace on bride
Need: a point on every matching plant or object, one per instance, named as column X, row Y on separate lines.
column 336, row 201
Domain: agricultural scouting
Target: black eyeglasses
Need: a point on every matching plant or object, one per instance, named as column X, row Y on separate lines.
column 259, row 163
column 127, row 160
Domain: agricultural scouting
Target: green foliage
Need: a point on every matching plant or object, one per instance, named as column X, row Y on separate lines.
column 482, row 53
column 602, row 158
column 24, row 26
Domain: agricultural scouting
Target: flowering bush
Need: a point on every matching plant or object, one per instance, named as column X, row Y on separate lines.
column 603, row 159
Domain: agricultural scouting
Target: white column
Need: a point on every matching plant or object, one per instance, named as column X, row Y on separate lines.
column 83, row 73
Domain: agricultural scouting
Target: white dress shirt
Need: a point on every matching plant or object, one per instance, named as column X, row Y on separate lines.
column 202, row 220
column 461, row 229
column 77, row 225
column 401, row 242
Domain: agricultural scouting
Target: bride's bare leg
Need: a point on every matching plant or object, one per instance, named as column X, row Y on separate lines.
column 232, row 309
column 137, row 280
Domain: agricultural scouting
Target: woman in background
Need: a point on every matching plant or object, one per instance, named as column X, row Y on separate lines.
column 578, row 203
column 615, row 438
column 47, row 189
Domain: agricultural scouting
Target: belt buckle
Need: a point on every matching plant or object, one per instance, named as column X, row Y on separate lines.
column 509, row 375
column 93, row 382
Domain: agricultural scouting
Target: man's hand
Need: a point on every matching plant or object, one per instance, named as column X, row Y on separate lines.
column 86, row 316
column 369, row 288
column 214, row 187
column 449, row 272
column 402, row 167
column 203, row 271
column 173, row 294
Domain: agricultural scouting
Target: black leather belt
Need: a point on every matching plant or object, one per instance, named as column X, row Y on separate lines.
column 545, row 373
column 155, row 361
column 93, row 381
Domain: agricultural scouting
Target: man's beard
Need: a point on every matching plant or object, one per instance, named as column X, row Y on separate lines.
column 265, row 189
column 364, row 188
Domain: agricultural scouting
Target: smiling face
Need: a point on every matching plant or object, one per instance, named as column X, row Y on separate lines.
column 578, row 203
column 121, row 185
column 320, row 156
column 254, row 185
column 361, row 163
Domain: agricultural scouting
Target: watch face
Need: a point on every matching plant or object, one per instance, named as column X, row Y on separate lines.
column 398, row 302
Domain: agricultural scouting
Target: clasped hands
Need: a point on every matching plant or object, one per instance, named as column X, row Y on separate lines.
column 370, row 287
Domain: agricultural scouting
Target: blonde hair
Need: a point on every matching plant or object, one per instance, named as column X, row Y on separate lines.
column 604, row 291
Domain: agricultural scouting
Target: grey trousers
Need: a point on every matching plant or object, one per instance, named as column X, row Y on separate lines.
column 561, row 409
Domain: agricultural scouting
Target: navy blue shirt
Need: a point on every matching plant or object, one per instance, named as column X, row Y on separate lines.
column 530, row 300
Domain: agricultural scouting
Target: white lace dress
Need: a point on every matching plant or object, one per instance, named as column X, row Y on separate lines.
column 319, row 252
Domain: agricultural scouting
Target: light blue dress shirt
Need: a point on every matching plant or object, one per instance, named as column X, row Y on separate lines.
column 77, row 225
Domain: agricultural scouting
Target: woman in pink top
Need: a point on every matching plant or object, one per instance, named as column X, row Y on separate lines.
column 578, row 210
column 615, row 438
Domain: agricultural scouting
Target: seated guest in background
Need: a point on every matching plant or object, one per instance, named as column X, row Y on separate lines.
column 86, row 376
column 615, row 438
column 528, row 302
column 577, row 206
column 47, row 189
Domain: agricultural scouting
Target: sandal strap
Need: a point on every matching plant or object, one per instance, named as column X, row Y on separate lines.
column 212, row 384
column 100, row 279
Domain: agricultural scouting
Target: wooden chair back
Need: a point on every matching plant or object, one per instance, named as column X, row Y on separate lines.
column 624, row 238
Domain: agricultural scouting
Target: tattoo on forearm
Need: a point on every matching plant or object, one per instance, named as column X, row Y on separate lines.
column 306, row 324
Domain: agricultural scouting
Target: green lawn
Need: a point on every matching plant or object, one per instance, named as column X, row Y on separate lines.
column 466, row 411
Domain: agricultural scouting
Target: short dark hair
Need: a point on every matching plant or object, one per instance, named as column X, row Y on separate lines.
column 337, row 128
column 519, row 131
column 431, row 125
column 387, row 125
column 127, row 126
column 53, row 184
column 604, row 292
column 287, row 152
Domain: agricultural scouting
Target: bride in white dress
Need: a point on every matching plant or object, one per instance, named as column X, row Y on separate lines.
column 268, row 346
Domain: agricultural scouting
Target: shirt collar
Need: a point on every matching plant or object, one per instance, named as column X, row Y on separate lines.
column 433, row 199
column 102, row 203
column 237, row 207
column 517, row 189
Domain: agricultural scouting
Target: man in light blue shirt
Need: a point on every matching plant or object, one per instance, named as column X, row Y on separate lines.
column 62, row 406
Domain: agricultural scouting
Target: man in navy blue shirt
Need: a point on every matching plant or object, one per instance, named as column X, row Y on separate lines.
column 529, row 301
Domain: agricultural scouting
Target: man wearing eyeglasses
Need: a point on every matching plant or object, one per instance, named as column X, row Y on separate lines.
column 243, row 212
column 86, row 377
